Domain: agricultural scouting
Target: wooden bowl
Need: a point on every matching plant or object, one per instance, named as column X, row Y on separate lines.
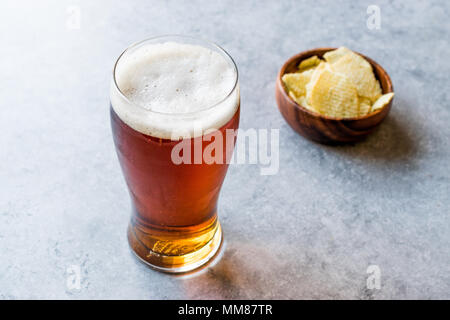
column 325, row 129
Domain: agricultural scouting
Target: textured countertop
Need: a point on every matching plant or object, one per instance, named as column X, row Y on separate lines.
column 314, row 230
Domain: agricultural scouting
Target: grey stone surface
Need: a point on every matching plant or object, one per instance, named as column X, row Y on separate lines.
column 310, row 231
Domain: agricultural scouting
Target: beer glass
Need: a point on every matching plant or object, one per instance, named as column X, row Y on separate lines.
column 172, row 99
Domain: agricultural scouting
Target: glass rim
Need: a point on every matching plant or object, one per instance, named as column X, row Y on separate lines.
column 211, row 43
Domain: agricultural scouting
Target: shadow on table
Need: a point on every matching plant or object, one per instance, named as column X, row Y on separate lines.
column 395, row 141
column 250, row 270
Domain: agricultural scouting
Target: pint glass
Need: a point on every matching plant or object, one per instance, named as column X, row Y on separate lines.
column 174, row 115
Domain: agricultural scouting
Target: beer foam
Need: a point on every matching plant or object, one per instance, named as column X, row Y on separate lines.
column 174, row 89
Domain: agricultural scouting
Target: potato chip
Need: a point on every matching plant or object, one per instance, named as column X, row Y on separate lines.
column 382, row 101
column 365, row 105
column 296, row 82
column 342, row 86
column 308, row 73
column 316, row 72
column 299, row 100
column 293, row 96
column 334, row 95
column 309, row 63
column 335, row 55
column 302, row 102
column 360, row 73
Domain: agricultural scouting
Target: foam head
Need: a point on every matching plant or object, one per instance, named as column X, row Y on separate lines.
column 174, row 89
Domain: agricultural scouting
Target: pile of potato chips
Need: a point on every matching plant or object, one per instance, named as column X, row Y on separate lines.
column 341, row 86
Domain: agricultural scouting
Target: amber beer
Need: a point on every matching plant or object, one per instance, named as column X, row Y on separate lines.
column 163, row 90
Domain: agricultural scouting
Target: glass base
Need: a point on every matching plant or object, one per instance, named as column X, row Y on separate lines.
column 175, row 261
